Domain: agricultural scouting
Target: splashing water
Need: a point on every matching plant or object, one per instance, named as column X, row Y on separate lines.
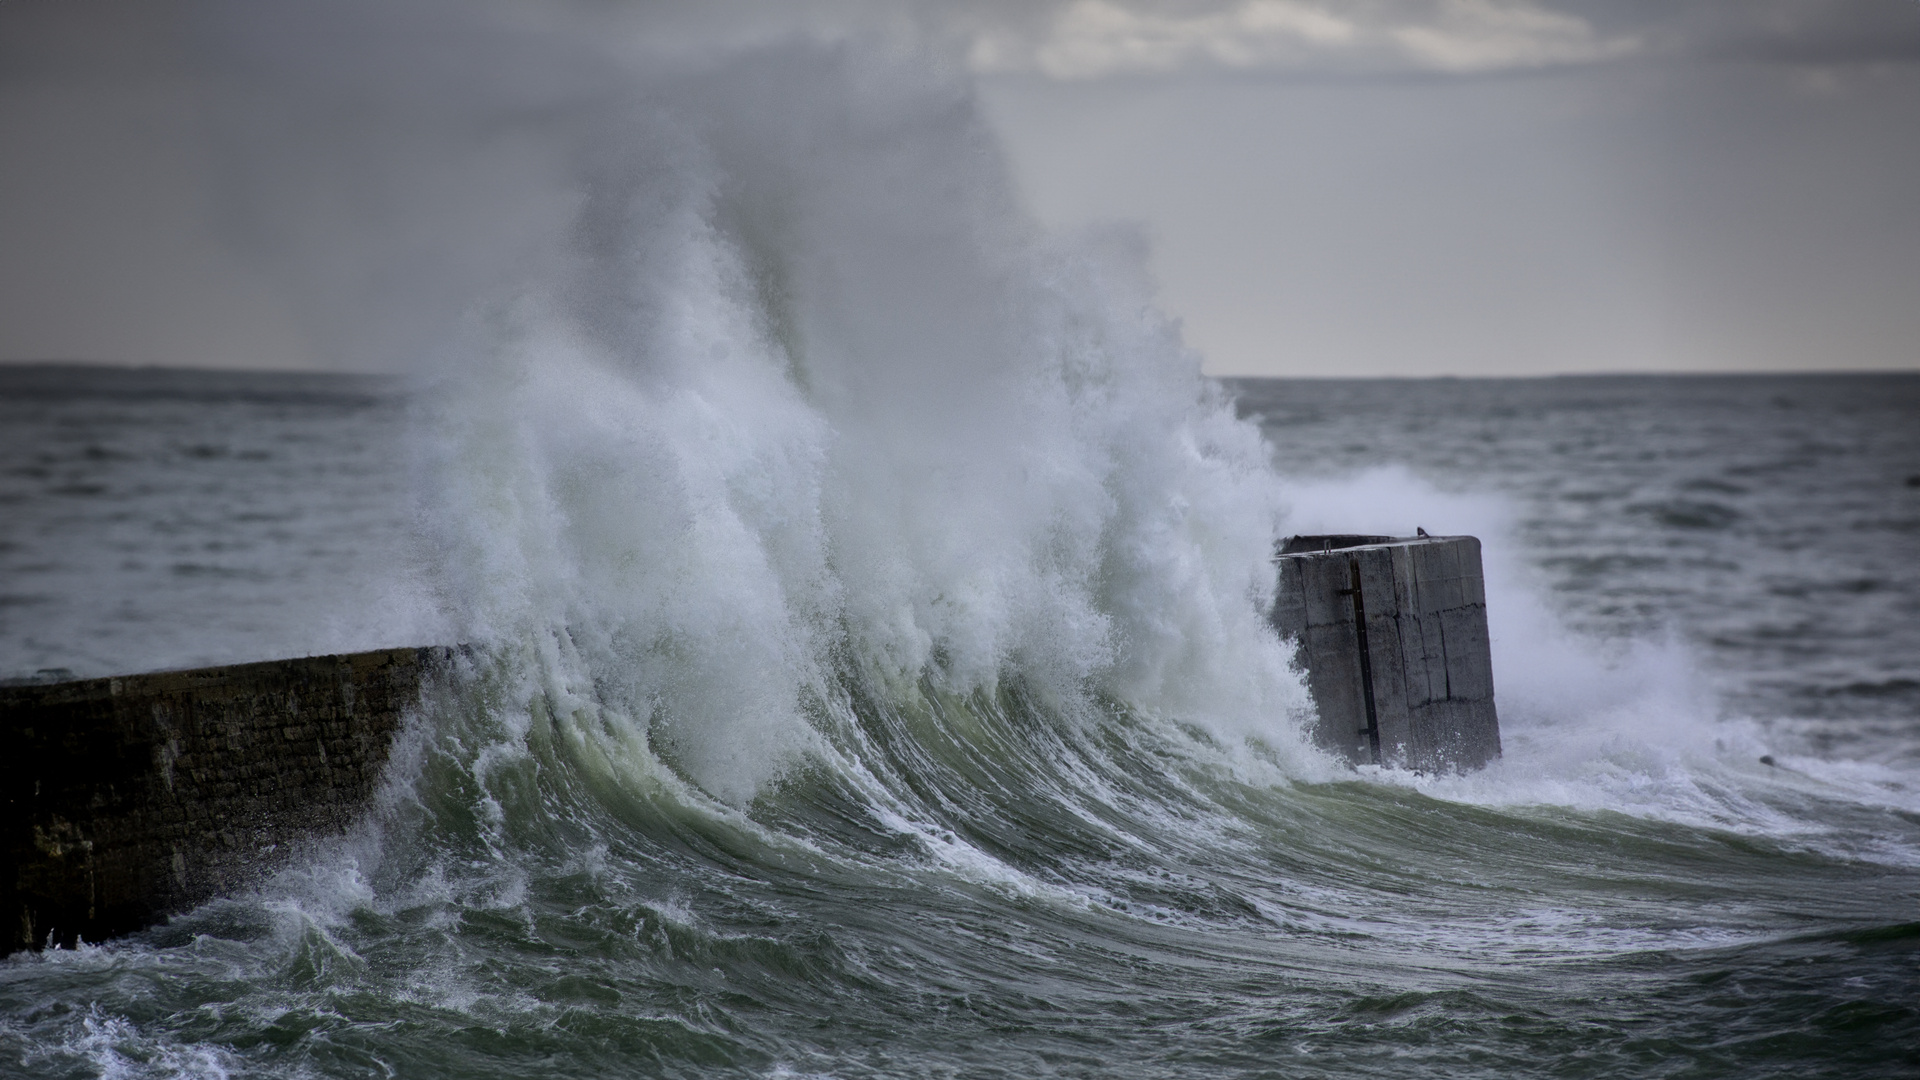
column 874, row 677
column 831, row 408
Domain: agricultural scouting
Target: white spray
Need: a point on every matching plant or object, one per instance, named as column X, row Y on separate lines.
column 795, row 383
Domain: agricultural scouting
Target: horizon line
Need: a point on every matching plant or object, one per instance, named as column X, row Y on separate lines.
column 135, row 366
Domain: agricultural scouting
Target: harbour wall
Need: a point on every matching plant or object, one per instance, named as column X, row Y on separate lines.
column 132, row 798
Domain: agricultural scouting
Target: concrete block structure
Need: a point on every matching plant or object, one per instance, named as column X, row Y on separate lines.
column 1392, row 635
column 129, row 799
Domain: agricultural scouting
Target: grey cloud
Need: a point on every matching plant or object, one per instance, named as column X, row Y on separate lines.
column 219, row 181
column 1089, row 39
column 1779, row 31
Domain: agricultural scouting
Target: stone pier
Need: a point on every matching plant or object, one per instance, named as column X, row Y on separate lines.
column 1392, row 635
column 129, row 799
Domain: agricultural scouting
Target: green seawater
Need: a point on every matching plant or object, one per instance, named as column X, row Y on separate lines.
column 1002, row 890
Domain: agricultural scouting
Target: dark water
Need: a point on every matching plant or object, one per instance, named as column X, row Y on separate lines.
column 157, row 518
column 996, row 880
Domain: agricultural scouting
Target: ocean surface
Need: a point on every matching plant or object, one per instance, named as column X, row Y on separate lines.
column 794, row 751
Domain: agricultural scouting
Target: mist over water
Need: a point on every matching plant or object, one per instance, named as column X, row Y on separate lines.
column 872, row 672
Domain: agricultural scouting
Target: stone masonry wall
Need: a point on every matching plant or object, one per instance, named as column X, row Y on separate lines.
column 129, row 799
column 1413, row 686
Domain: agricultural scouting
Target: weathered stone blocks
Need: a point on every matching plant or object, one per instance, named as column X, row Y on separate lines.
column 128, row 799
column 1392, row 634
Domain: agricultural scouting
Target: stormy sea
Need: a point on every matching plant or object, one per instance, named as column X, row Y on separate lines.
column 871, row 674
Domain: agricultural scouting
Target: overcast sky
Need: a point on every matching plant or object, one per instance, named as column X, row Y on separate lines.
column 1408, row 187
